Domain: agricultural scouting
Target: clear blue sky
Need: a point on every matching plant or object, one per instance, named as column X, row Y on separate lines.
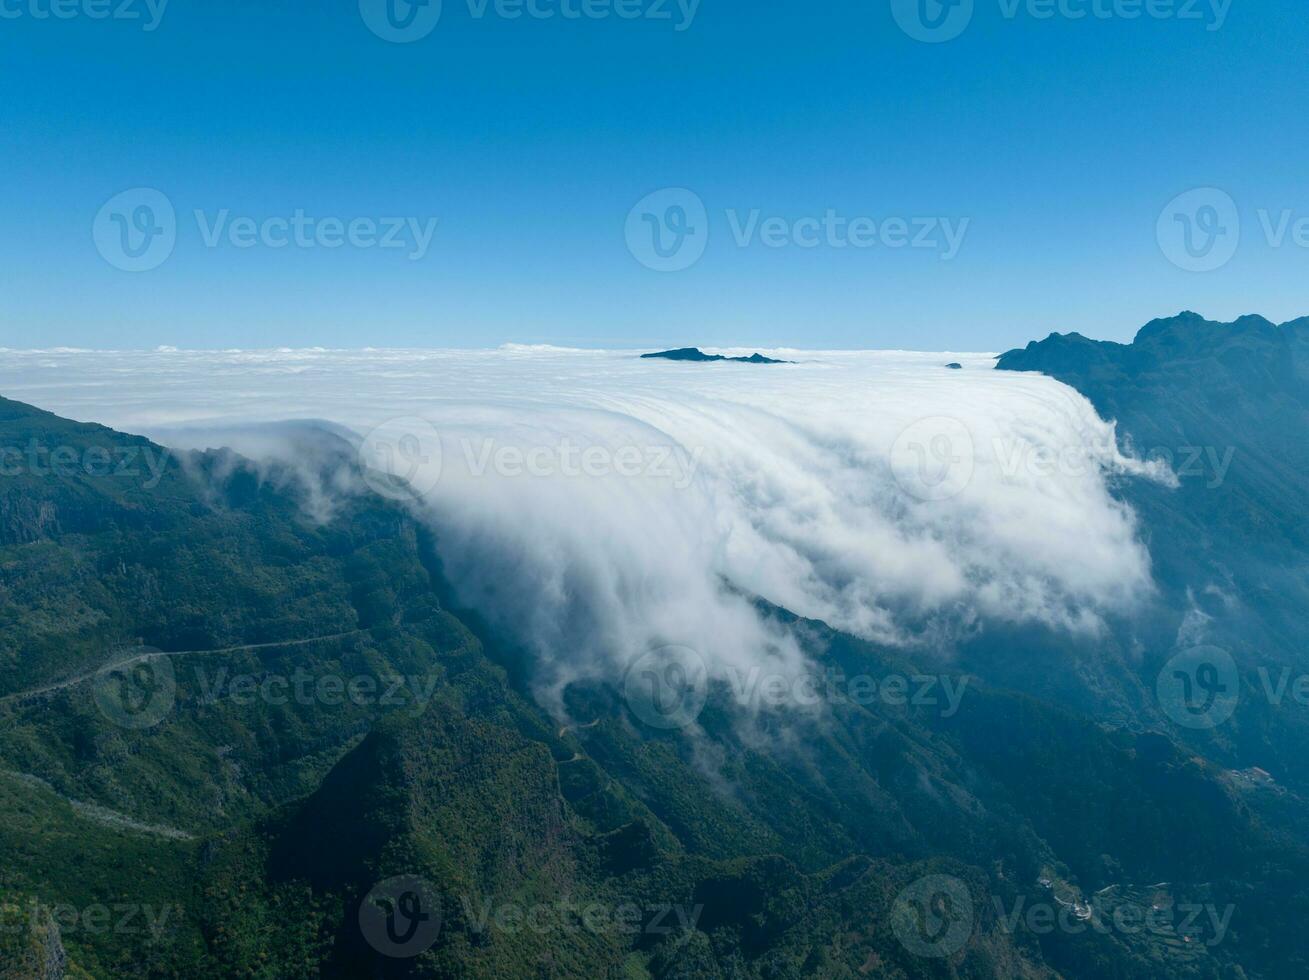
column 1060, row 140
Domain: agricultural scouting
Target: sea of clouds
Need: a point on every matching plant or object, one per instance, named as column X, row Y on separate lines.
column 597, row 505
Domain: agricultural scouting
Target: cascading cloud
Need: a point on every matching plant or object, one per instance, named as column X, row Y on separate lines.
column 597, row 505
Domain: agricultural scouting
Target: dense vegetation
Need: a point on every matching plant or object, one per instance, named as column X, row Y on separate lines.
column 234, row 828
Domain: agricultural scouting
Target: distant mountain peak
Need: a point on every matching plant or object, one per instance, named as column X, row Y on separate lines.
column 1189, row 325
column 1185, row 338
column 696, row 354
column 1185, row 375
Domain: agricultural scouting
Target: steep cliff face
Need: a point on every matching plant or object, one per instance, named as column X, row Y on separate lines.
column 1227, row 405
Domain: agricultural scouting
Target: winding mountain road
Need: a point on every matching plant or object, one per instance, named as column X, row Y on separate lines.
column 150, row 655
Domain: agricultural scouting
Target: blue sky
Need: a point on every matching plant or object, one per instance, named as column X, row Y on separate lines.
column 1048, row 146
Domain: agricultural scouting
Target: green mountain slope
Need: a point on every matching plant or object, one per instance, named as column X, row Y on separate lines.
column 271, row 732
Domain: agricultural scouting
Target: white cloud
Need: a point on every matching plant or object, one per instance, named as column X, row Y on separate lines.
column 597, row 504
